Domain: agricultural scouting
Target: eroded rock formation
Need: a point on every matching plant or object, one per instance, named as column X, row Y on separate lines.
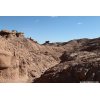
column 25, row 60
column 80, row 65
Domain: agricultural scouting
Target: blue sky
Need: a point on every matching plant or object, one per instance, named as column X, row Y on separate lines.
column 53, row 28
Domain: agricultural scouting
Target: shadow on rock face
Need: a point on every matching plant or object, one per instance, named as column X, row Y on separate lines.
column 65, row 57
column 80, row 72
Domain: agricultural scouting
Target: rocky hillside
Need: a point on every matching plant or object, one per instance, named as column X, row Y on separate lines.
column 25, row 60
column 80, row 65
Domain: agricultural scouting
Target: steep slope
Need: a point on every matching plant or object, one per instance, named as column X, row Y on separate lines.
column 81, row 65
column 22, row 59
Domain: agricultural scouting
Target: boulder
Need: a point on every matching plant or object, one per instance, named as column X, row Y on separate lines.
column 5, row 59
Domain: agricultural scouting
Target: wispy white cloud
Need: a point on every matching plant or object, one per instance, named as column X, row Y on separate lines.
column 53, row 16
column 79, row 23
